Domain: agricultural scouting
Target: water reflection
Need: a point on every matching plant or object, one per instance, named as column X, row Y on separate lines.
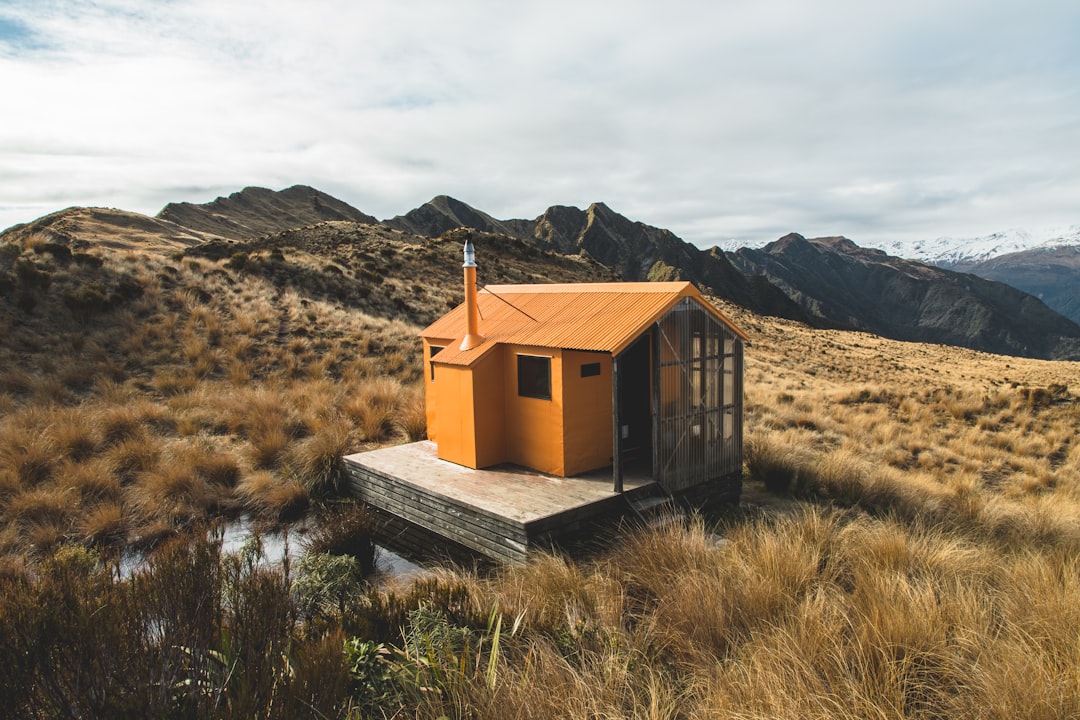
column 279, row 543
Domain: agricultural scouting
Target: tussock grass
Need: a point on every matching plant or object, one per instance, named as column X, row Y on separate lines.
column 134, row 456
column 73, row 437
column 104, row 526
column 271, row 497
column 94, row 480
column 29, row 455
column 921, row 564
column 372, row 407
column 316, row 461
column 411, row 415
column 813, row 614
column 43, row 505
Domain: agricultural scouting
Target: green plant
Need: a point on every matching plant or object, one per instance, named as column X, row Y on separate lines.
column 325, row 583
column 374, row 681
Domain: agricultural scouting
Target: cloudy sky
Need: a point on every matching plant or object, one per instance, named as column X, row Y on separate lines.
column 717, row 119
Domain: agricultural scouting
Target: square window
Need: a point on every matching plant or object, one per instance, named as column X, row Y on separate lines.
column 534, row 376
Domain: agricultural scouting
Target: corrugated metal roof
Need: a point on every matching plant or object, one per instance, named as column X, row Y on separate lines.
column 604, row 317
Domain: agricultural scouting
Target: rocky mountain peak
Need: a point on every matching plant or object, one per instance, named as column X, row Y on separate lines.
column 256, row 211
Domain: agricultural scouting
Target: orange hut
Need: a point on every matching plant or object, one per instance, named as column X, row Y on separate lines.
column 570, row 378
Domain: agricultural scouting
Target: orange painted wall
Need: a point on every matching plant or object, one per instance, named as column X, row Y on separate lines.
column 489, row 415
column 430, row 398
column 477, row 418
column 586, row 413
column 534, row 429
column 452, row 395
column 465, row 411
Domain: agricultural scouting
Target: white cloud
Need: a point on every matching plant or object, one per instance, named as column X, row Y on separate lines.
column 716, row 119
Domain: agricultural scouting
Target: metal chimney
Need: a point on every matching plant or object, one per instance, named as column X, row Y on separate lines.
column 472, row 311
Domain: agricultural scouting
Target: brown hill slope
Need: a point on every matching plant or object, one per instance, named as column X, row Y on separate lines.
column 392, row 273
column 79, row 228
column 257, row 211
column 920, row 561
column 141, row 392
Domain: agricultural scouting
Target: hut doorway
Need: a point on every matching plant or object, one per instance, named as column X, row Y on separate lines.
column 635, row 412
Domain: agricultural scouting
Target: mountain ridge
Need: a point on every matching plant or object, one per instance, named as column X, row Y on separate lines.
column 636, row 251
column 826, row 282
column 256, row 211
column 867, row 289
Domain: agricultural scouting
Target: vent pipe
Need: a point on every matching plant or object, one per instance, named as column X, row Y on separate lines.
column 472, row 311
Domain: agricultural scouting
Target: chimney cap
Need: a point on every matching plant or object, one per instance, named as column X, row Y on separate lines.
column 470, row 254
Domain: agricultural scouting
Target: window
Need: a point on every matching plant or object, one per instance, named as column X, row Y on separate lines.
column 534, row 376
column 590, row 369
column 433, row 350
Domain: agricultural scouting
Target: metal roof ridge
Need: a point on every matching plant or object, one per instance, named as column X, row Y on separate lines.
column 642, row 286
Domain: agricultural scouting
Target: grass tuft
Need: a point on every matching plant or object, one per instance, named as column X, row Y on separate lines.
column 266, row 496
column 316, row 462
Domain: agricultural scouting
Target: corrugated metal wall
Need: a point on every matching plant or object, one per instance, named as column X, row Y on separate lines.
column 697, row 398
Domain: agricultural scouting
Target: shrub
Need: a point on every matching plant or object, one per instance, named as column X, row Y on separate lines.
column 60, row 252
column 87, row 301
column 9, row 251
column 238, row 261
column 325, row 583
column 88, row 259
column 30, row 277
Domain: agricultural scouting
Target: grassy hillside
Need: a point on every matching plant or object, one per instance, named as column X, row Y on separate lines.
column 146, row 388
column 908, row 546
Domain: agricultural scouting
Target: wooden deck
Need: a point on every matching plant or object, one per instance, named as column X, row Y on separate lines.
column 499, row 512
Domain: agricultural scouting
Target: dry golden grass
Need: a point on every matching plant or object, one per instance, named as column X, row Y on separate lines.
column 815, row 613
column 187, row 394
column 270, row 497
column 919, row 561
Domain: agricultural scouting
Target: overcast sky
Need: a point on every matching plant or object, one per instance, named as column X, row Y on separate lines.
column 717, row 119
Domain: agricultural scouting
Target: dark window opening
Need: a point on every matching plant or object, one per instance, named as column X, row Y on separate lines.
column 433, row 350
column 534, row 376
column 590, row 369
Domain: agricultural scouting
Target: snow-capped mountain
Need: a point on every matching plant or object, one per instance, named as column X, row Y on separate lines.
column 1042, row 262
column 953, row 252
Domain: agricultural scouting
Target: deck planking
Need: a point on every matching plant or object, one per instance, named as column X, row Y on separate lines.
column 499, row 512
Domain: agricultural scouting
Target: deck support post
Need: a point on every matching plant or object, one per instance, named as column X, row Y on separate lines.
column 616, row 430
